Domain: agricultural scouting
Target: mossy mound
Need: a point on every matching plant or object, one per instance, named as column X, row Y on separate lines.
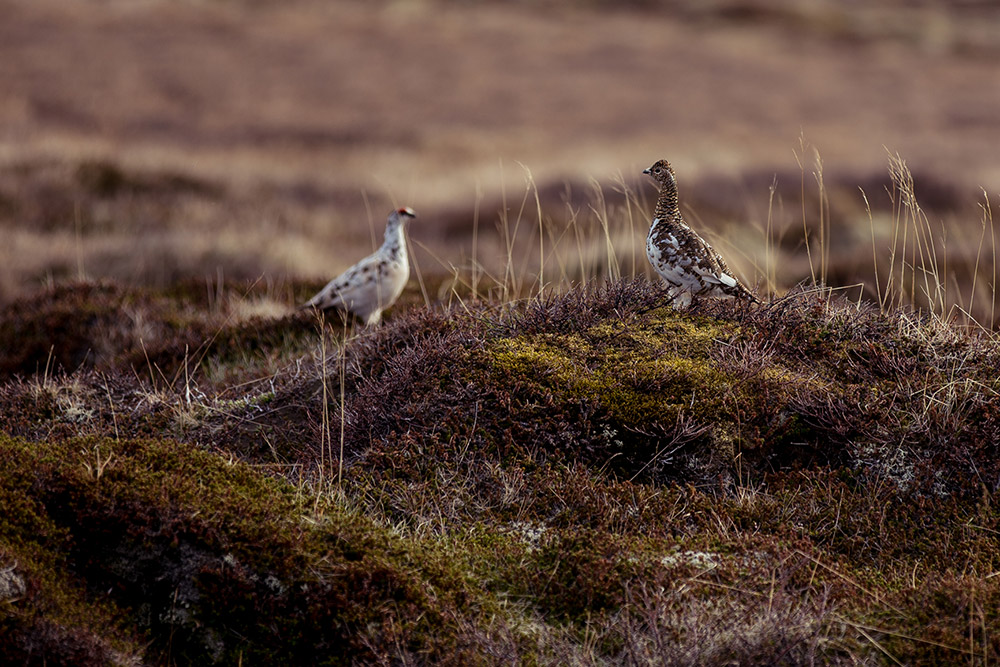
column 158, row 549
column 618, row 381
column 593, row 477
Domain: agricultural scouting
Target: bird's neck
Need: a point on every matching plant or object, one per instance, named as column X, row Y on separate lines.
column 666, row 204
column 394, row 239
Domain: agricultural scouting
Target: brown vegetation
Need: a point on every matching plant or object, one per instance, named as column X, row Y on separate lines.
column 591, row 476
column 535, row 459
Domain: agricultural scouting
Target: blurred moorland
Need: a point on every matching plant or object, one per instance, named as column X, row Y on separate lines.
column 263, row 140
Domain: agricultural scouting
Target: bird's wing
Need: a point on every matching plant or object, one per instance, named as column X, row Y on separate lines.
column 356, row 285
column 709, row 264
column 717, row 273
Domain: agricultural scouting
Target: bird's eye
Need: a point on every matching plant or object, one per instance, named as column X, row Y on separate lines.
column 658, row 170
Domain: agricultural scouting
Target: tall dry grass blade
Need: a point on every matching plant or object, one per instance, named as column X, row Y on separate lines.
column 799, row 157
column 475, row 269
column 532, row 188
column 371, row 219
column 573, row 223
column 81, row 274
column 599, row 208
column 417, row 271
column 509, row 289
column 923, row 250
column 871, row 227
column 324, row 434
column 891, row 280
column 770, row 267
column 900, row 221
column 975, row 269
column 111, row 404
column 988, row 222
column 342, row 372
column 629, row 197
column 556, row 241
column 824, row 218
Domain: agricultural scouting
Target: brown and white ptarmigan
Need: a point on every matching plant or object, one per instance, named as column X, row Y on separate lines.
column 374, row 283
column 683, row 259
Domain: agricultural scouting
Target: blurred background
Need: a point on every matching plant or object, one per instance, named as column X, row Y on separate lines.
column 264, row 141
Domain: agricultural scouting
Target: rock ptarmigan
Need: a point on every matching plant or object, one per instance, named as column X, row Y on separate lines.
column 683, row 259
column 374, row 283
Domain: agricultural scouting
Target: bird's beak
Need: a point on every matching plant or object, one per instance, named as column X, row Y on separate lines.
column 645, row 171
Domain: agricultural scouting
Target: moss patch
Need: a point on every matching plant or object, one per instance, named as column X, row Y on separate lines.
column 206, row 558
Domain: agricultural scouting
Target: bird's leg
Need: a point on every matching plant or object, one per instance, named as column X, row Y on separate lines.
column 683, row 299
column 671, row 292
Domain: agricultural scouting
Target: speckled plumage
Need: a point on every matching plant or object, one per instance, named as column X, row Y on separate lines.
column 683, row 259
column 374, row 283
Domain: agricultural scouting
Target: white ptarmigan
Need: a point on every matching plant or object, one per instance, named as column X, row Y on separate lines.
column 683, row 259
column 374, row 283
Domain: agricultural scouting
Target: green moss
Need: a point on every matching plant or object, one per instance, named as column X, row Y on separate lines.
column 640, row 375
column 208, row 558
column 52, row 602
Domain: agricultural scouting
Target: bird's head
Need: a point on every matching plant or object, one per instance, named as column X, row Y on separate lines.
column 662, row 173
column 403, row 214
column 400, row 217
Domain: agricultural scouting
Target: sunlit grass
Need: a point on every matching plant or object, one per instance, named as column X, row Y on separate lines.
column 917, row 261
